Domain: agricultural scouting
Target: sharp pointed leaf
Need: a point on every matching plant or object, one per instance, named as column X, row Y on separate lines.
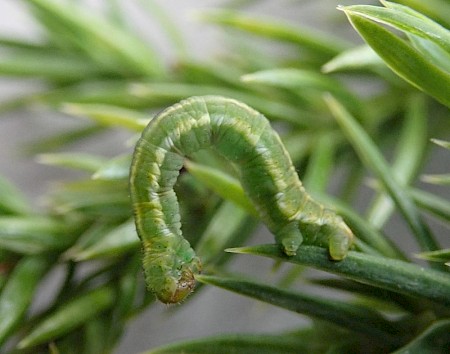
column 77, row 161
column 437, row 206
column 168, row 93
column 362, row 58
column 408, row 159
column 402, row 58
column 108, row 115
column 115, row 168
column 434, row 340
column 12, row 201
column 105, row 42
column 301, row 80
column 436, row 256
column 223, row 184
column 443, row 143
column 390, row 274
column 271, row 29
column 18, row 292
column 116, row 242
column 228, row 219
column 33, row 234
column 373, row 160
column 353, row 317
column 436, row 9
column 237, row 343
column 404, row 19
column 442, row 179
column 48, row 65
column 69, row 316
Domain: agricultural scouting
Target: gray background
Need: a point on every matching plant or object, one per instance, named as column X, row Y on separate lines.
column 214, row 311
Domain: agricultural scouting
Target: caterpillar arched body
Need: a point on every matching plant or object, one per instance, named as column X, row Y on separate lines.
column 245, row 138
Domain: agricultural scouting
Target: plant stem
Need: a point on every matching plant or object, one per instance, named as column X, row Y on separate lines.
column 390, row 274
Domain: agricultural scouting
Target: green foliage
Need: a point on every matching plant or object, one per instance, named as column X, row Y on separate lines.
column 95, row 67
column 423, row 61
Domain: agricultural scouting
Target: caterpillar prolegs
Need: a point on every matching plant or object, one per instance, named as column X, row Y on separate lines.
column 245, row 138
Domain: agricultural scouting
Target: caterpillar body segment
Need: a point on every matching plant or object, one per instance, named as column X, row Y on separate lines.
column 245, row 138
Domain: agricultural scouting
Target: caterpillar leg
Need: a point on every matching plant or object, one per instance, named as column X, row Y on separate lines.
column 340, row 242
column 290, row 238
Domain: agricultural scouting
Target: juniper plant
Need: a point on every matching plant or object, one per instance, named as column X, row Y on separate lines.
column 95, row 65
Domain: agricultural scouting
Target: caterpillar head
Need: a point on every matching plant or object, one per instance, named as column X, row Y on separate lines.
column 176, row 288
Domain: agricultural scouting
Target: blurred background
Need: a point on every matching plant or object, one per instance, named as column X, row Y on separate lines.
column 204, row 41
column 205, row 315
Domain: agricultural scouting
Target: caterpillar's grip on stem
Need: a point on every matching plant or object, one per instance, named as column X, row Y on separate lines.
column 245, row 138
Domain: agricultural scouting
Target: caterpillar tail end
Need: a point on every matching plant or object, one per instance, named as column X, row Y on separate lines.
column 340, row 243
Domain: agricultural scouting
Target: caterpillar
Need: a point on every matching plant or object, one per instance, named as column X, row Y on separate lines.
column 245, row 138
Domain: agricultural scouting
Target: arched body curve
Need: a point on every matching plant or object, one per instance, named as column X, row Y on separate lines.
column 245, row 138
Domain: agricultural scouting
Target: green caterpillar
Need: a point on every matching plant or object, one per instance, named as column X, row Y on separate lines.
column 245, row 138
